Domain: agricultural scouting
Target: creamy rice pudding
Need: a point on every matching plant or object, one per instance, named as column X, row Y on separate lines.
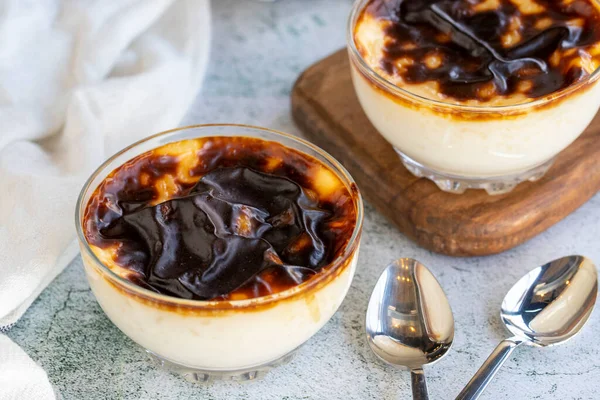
column 220, row 254
column 477, row 93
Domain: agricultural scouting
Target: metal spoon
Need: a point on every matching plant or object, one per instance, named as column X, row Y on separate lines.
column 409, row 321
column 547, row 306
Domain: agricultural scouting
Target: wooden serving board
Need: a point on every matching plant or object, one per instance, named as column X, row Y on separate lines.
column 472, row 224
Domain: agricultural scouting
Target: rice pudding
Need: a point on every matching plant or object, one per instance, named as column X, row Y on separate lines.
column 477, row 93
column 220, row 249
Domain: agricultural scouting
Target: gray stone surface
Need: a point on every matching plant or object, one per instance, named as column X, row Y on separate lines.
column 258, row 50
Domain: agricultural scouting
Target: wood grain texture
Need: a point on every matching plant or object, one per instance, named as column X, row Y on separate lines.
column 325, row 107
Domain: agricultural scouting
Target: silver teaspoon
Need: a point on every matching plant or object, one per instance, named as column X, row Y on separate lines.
column 547, row 306
column 409, row 321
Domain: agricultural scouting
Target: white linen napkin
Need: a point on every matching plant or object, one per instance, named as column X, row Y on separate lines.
column 79, row 80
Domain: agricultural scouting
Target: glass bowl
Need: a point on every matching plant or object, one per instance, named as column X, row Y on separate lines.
column 461, row 146
column 237, row 339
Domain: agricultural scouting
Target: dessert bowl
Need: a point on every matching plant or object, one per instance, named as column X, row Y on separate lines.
column 238, row 335
column 487, row 139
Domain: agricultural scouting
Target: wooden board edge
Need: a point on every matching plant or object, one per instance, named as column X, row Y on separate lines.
column 438, row 241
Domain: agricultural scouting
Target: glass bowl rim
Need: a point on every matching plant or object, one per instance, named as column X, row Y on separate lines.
column 329, row 270
column 365, row 68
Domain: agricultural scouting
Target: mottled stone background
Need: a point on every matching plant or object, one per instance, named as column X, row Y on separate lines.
column 258, row 51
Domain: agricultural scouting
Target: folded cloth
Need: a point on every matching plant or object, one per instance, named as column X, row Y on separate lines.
column 21, row 378
column 78, row 81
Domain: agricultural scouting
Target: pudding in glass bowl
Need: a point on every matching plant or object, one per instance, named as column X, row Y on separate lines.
column 220, row 249
column 477, row 93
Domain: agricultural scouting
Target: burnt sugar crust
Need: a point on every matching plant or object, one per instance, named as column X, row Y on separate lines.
column 220, row 218
column 507, row 51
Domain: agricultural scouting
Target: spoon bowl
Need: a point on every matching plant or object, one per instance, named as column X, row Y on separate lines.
column 548, row 306
column 409, row 322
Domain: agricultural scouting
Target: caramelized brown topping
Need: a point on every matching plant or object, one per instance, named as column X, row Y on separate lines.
column 478, row 49
column 220, row 218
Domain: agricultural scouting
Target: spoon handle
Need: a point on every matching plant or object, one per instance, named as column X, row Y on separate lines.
column 418, row 383
column 486, row 372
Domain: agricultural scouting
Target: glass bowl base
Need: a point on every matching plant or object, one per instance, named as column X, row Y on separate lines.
column 457, row 184
column 197, row 375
